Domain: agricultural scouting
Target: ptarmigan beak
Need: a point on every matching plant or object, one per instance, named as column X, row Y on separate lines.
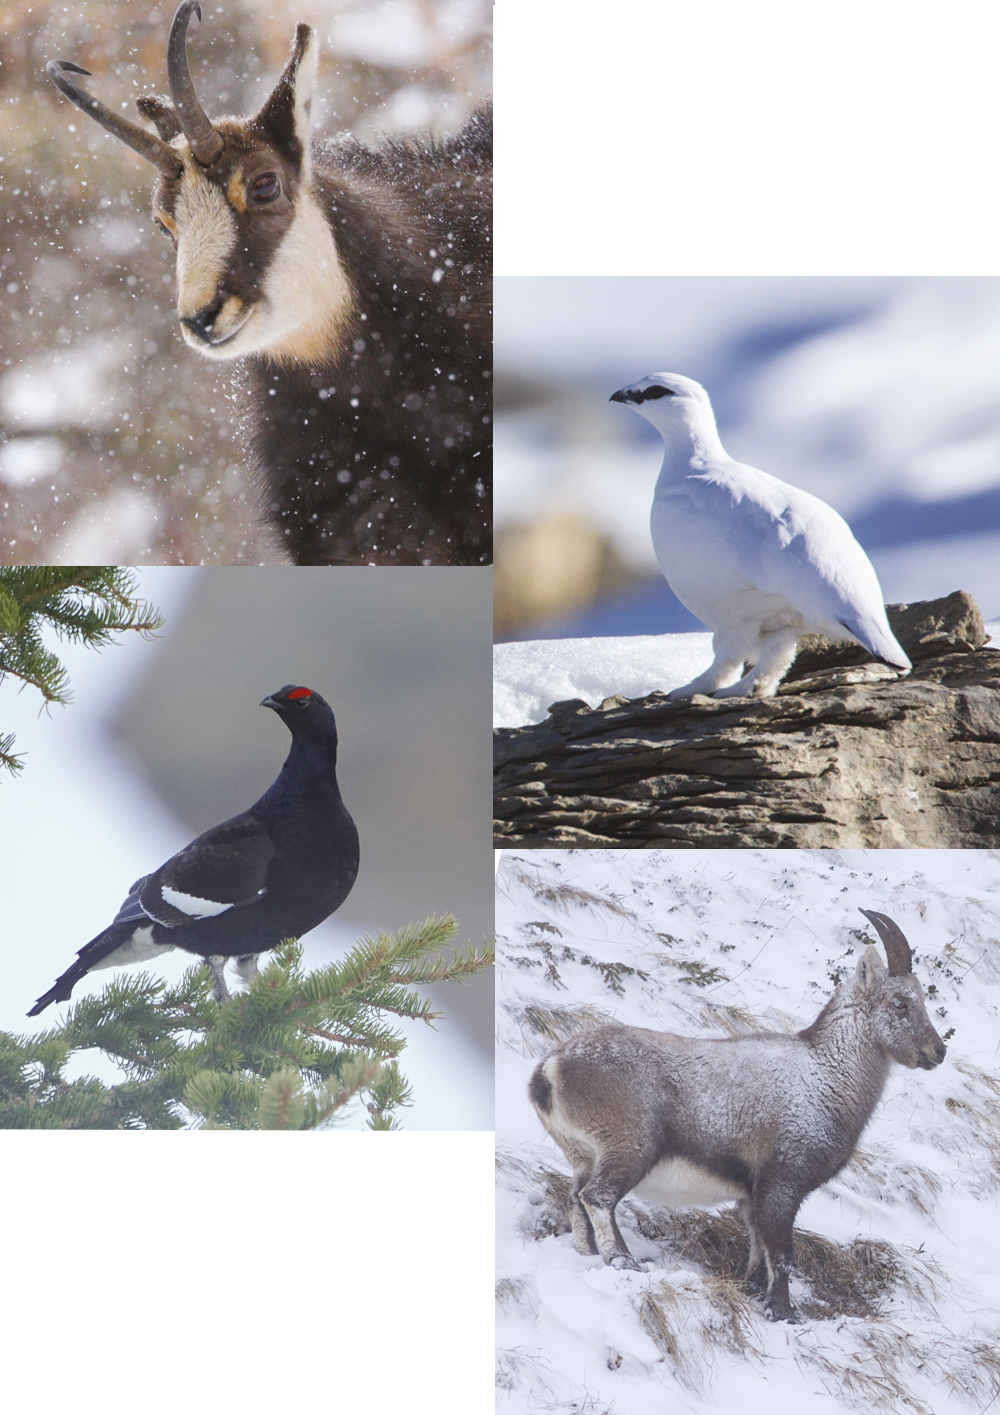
column 624, row 395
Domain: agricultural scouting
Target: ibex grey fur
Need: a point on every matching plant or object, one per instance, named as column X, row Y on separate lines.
column 763, row 1119
column 353, row 284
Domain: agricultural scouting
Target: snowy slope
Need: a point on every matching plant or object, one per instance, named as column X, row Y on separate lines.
column 713, row 942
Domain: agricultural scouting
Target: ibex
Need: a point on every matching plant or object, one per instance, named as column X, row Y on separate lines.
column 354, row 285
column 763, row 1119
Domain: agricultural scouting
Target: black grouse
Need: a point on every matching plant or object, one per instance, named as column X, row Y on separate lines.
column 274, row 872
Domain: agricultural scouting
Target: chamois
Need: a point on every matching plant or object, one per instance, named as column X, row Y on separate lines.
column 764, row 1119
column 353, row 284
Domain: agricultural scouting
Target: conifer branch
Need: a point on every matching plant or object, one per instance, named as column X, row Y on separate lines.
column 87, row 604
column 290, row 1053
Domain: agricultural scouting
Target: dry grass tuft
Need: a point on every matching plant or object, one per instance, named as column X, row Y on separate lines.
column 861, row 1380
column 872, row 1363
column 876, row 1375
column 688, row 1320
column 548, row 1194
column 879, row 1173
column 856, row 1280
column 661, row 1312
column 561, row 896
column 554, row 1025
column 741, row 1022
column 586, row 1405
column 511, row 1291
column 975, row 1128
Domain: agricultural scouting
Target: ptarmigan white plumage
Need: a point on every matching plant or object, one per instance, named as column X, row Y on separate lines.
column 758, row 561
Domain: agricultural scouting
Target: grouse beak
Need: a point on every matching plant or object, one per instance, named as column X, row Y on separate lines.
column 269, row 702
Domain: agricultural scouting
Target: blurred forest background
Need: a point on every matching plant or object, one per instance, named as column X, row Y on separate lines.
column 117, row 443
column 879, row 394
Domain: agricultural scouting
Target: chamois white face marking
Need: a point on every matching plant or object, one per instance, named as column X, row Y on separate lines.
column 206, row 236
column 306, row 292
column 305, row 298
column 191, row 904
column 301, row 297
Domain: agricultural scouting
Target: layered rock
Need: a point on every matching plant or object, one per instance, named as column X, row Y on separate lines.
column 849, row 753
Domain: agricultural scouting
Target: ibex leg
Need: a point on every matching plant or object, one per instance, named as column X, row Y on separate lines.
column 774, row 1214
column 757, row 1275
column 610, row 1181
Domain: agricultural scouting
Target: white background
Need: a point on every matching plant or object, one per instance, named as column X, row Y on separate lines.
column 725, row 138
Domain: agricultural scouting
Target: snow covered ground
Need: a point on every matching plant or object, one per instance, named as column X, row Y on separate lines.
column 529, row 676
column 714, row 942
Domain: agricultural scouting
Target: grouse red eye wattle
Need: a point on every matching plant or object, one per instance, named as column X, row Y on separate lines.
column 243, row 886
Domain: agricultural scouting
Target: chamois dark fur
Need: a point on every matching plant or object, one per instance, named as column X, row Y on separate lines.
column 353, row 284
column 407, row 412
column 763, row 1119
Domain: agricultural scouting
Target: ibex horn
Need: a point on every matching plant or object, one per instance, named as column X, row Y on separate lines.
column 153, row 149
column 206, row 142
column 897, row 950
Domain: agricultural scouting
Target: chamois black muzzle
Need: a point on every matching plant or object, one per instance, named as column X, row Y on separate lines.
column 202, row 324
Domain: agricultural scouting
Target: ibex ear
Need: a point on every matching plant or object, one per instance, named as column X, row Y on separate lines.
column 287, row 115
column 870, row 969
column 160, row 112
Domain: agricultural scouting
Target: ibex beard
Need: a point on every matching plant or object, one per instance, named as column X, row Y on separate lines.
column 763, row 1119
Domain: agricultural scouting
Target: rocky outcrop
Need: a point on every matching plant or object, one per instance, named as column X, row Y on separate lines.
column 849, row 753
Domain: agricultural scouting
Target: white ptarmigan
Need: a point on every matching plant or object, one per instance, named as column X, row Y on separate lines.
column 758, row 561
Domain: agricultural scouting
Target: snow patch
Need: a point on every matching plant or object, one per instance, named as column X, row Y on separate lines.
column 528, row 677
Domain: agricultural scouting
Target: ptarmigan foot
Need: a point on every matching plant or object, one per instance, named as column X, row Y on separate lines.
column 749, row 688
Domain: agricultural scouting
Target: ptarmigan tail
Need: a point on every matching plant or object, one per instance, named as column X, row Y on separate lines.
column 877, row 638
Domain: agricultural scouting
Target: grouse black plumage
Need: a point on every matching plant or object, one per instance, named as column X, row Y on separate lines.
column 274, row 872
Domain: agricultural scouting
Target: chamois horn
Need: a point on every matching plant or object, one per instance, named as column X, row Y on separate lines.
column 897, row 950
column 153, row 149
column 206, row 142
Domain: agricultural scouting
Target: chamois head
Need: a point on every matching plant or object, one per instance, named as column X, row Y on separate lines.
column 894, row 1000
column 257, row 266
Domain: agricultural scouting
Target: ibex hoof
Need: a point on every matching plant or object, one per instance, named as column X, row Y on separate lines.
column 624, row 1261
column 780, row 1312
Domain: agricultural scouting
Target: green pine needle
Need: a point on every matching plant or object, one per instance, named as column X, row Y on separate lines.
column 290, row 1053
column 88, row 604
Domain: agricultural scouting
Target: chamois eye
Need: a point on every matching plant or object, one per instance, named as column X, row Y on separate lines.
column 266, row 187
column 899, row 1003
column 165, row 230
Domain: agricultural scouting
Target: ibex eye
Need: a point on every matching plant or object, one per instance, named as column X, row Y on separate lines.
column 266, row 187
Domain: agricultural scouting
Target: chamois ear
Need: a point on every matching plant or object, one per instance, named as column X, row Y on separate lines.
column 160, row 112
column 287, row 115
column 870, row 969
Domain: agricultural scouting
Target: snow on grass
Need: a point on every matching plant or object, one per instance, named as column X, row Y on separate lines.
column 897, row 1258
